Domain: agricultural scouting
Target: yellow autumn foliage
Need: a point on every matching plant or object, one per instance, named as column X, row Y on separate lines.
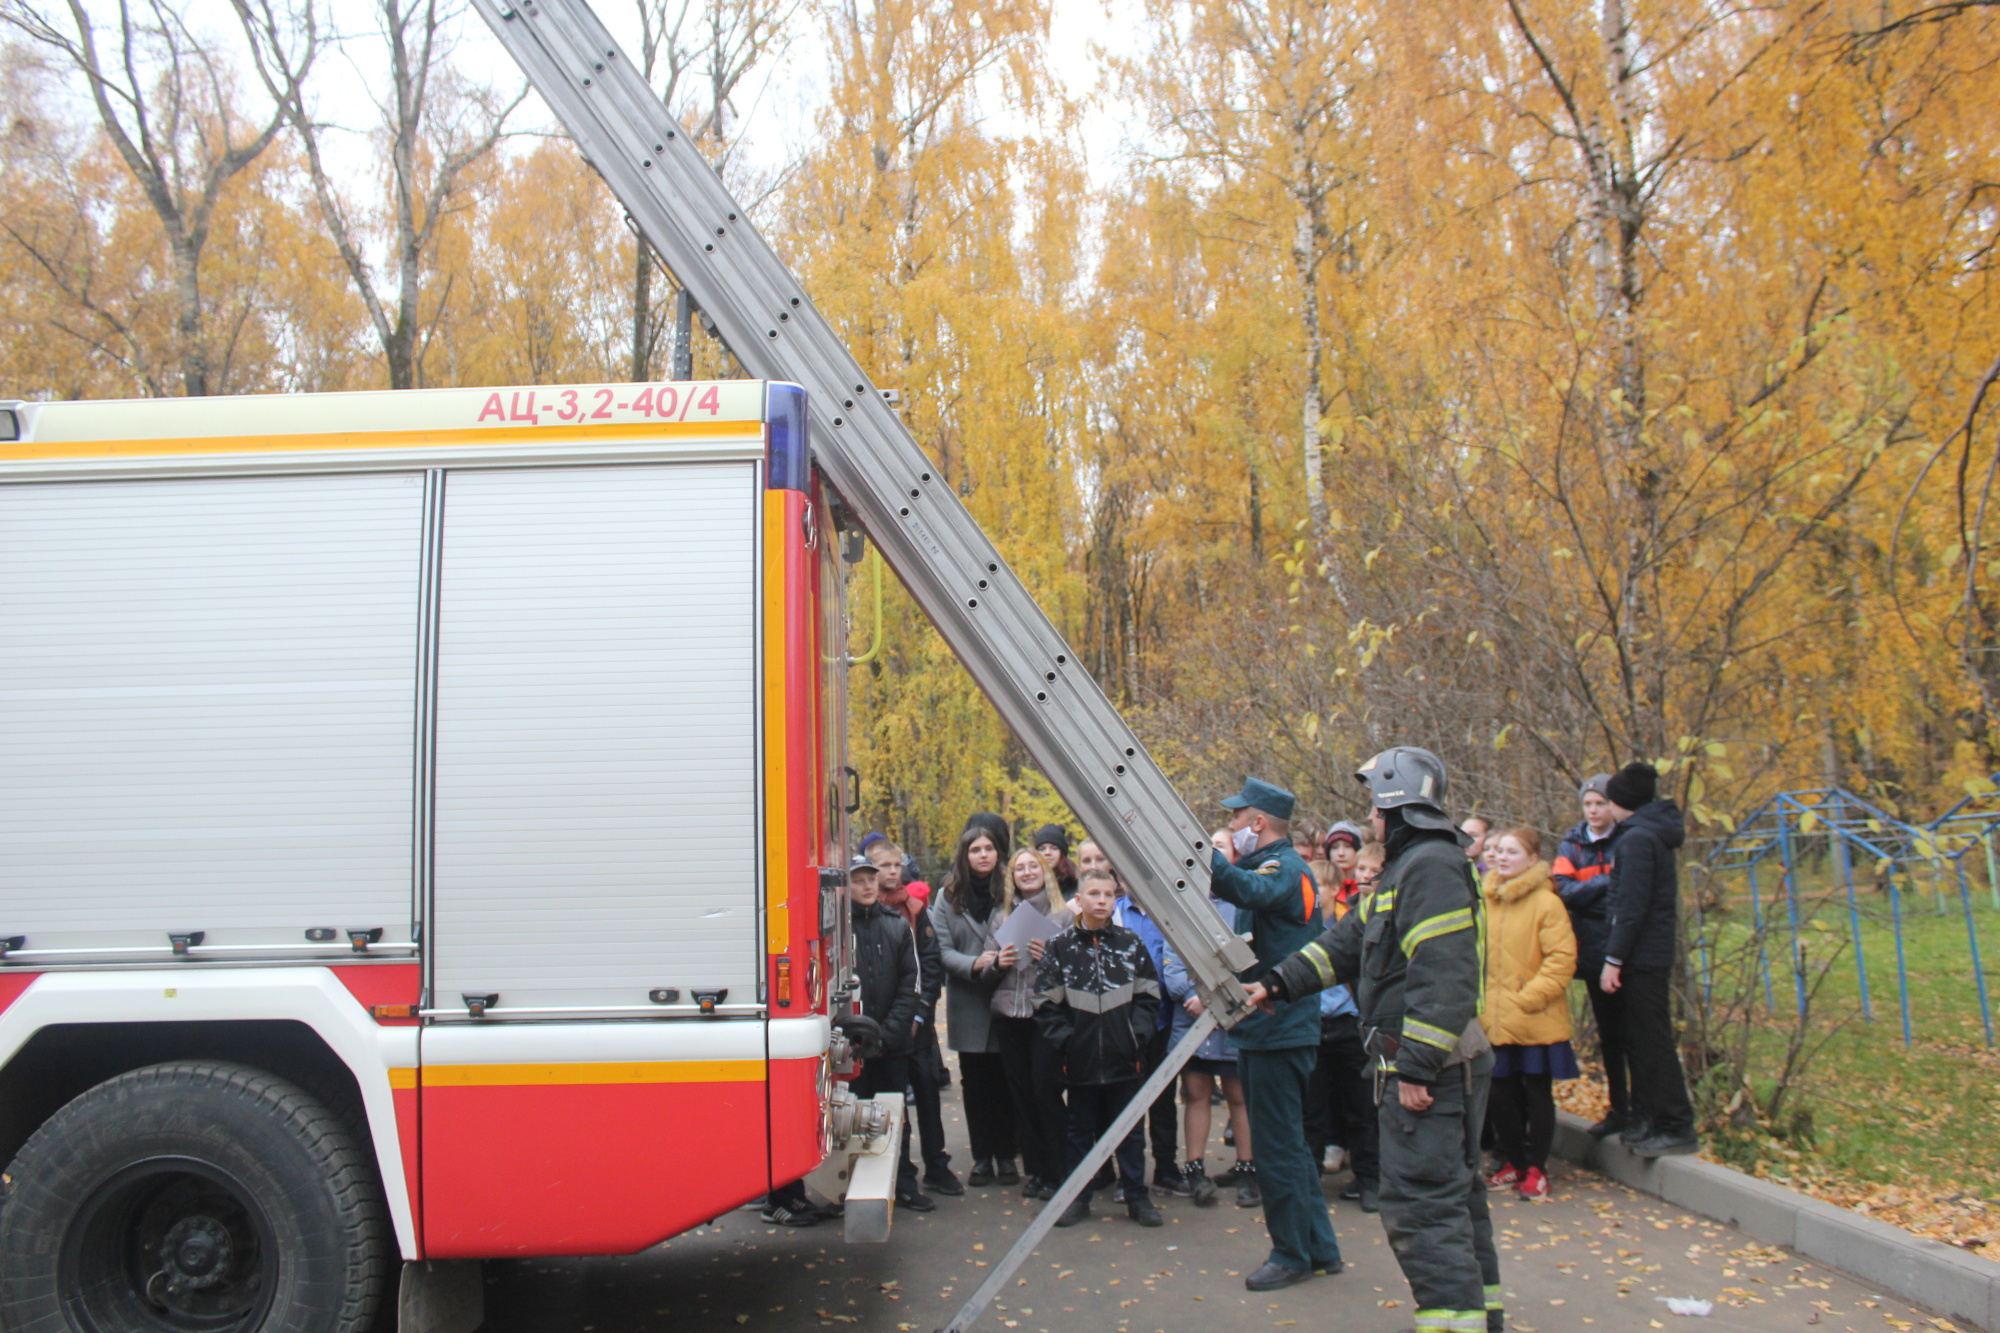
column 1548, row 383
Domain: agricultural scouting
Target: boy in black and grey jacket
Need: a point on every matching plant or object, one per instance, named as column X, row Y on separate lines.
column 1099, row 1001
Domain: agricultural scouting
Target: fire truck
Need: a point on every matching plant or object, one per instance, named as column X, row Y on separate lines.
column 433, row 791
column 423, row 814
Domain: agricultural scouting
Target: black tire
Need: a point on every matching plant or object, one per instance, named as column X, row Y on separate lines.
column 192, row 1197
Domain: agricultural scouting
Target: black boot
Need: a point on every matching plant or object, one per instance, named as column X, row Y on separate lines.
column 1078, row 1211
column 982, row 1172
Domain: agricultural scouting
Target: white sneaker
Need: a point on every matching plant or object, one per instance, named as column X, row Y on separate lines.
column 1336, row 1158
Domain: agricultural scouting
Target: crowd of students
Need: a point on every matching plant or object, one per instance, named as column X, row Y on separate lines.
column 1061, row 997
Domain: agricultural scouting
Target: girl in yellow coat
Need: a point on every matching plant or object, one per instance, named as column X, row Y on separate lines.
column 1530, row 958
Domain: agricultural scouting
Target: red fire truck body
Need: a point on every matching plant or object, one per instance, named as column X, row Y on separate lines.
column 470, row 759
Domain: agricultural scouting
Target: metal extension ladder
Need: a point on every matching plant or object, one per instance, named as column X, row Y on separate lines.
column 916, row 521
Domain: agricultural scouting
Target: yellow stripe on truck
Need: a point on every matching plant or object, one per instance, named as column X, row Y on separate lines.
column 777, row 754
column 623, row 1071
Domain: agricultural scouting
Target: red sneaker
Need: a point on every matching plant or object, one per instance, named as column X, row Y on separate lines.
column 1502, row 1178
column 1534, row 1184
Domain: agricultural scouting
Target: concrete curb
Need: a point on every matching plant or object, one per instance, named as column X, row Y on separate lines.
column 1963, row 1287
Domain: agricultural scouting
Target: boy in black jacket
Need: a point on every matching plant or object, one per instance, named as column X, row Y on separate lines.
column 885, row 962
column 1099, row 1002
column 926, row 1061
column 1641, row 936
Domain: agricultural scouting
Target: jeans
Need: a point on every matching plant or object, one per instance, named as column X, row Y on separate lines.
column 1610, row 1045
column 1652, row 1051
column 925, row 1107
column 1092, row 1108
column 890, row 1073
column 1034, row 1084
column 1340, row 1101
column 989, row 1112
column 1162, row 1118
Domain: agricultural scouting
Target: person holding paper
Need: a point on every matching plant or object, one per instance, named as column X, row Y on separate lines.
column 1029, row 913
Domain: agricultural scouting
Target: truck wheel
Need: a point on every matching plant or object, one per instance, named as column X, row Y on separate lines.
column 192, row 1196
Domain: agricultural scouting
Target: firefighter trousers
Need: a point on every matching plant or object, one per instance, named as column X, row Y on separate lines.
column 1434, row 1202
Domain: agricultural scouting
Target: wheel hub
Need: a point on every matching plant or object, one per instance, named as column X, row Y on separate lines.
column 196, row 1254
column 169, row 1245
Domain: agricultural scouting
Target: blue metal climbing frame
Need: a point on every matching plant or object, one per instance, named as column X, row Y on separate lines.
column 1791, row 823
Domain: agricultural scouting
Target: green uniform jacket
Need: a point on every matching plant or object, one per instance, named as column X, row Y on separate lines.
column 1275, row 900
column 1418, row 946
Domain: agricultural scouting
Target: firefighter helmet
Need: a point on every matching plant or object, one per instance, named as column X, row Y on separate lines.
column 1410, row 779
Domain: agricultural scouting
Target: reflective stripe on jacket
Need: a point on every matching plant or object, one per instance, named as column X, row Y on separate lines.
column 1417, row 946
column 1098, row 1003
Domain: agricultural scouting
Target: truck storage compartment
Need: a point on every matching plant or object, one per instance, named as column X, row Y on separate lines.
column 206, row 694
column 597, row 755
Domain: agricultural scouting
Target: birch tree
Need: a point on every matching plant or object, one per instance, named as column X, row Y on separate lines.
column 434, row 122
column 166, row 99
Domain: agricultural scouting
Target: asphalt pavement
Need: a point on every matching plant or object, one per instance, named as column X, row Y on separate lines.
column 1594, row 1256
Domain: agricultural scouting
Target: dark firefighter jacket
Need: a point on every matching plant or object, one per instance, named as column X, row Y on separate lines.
column 1275, row 900
column 1418, row 947
column 1098, row 1003
column 885, row 960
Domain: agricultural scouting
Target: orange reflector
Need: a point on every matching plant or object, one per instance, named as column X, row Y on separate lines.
column 394, row 1010
column 785, row 982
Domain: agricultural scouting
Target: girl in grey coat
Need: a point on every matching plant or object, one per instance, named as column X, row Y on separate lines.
column 969, row 908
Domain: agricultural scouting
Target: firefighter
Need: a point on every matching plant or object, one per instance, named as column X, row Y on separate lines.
column 1417, row 946
column 1276, row 905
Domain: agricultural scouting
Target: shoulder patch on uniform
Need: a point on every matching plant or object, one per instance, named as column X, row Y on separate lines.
column 1269, row 868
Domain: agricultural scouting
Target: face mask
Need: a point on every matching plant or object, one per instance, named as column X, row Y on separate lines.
column 1244, row 840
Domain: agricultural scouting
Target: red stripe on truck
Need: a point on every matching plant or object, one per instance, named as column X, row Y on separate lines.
column 544, row 1168
column 798, row 1118
column 383, row 983
column 11, row 986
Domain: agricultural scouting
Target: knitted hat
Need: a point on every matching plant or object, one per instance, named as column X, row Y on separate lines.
column 1346, row 832
column 1052, row 833
column 1632, row 786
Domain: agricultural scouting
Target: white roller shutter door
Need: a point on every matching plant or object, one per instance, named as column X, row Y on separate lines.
column 596, row 801
column 206, row 699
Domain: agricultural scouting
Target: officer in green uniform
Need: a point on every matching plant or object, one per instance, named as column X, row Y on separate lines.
column 1276, row 902
column 1418, row 947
